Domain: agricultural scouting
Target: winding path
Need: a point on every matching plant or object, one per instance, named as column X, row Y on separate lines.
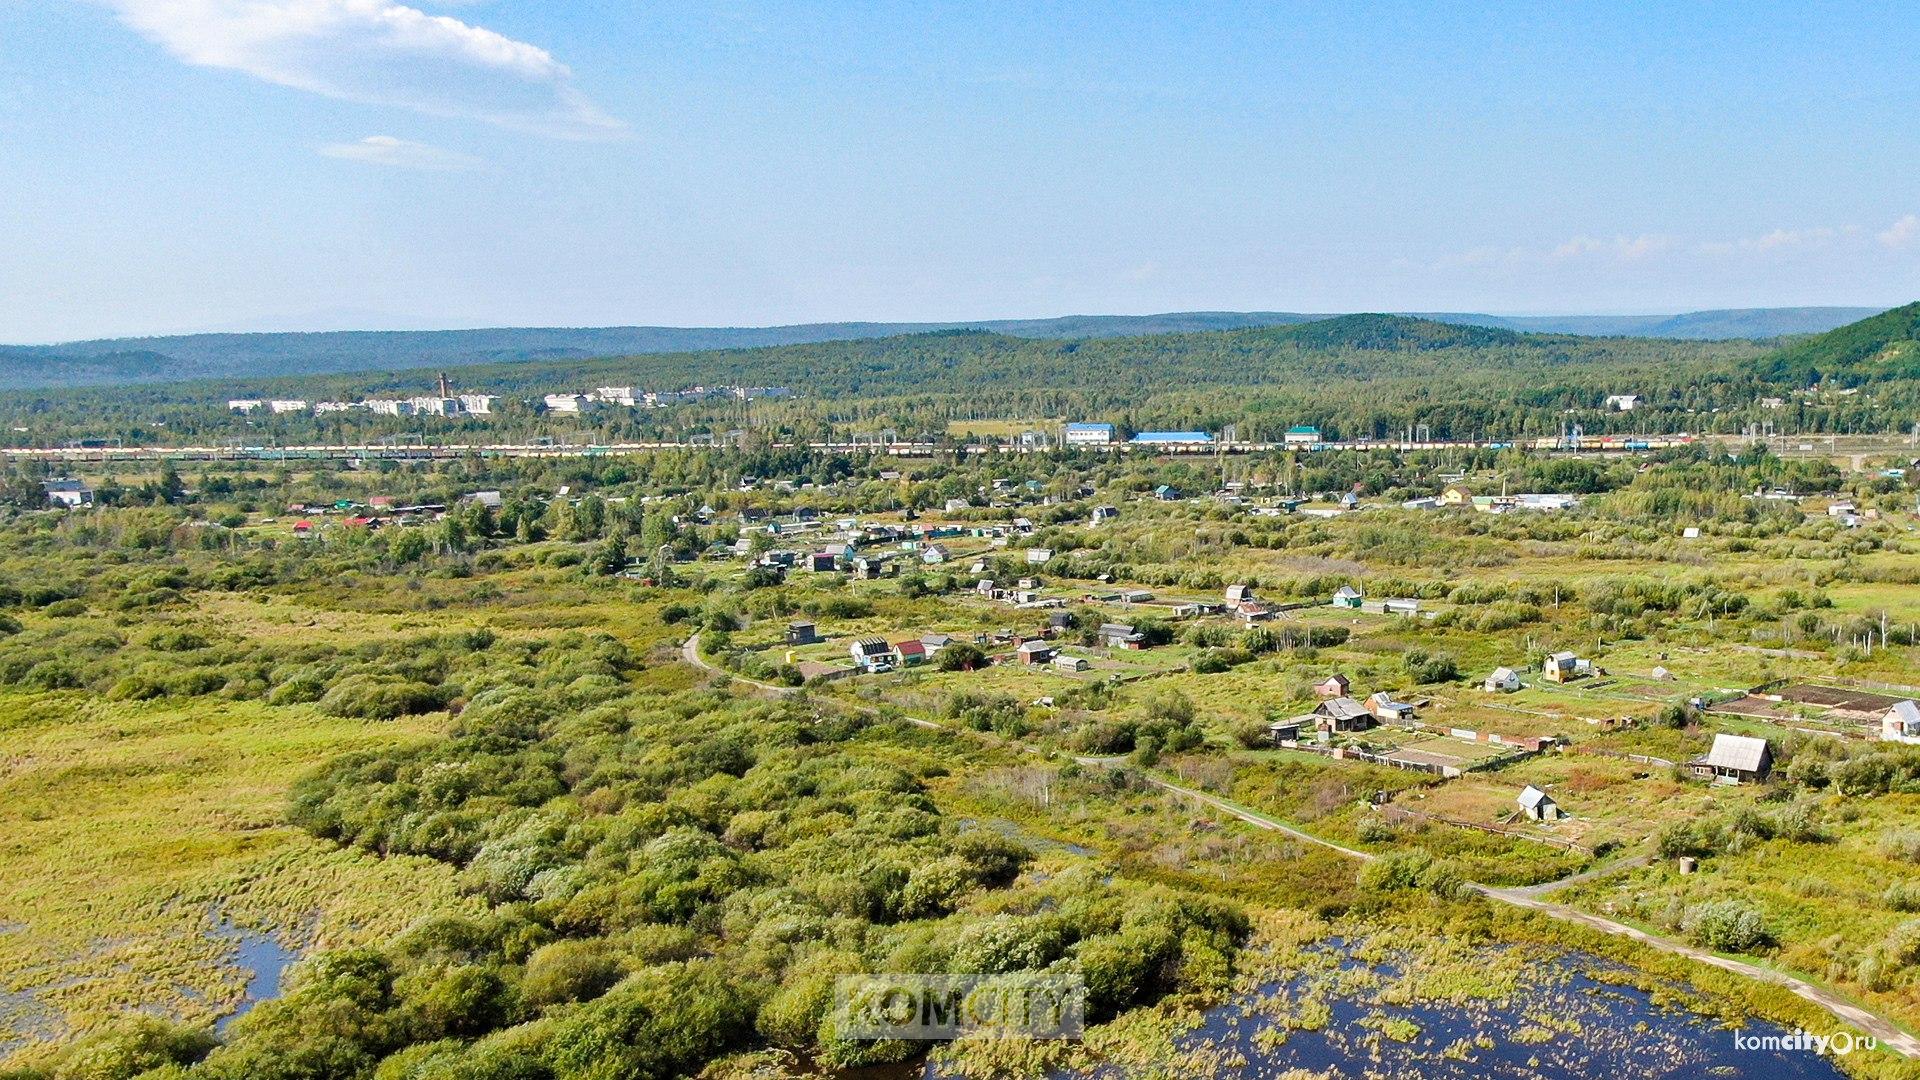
column 1885, row 1031
column 690, row 652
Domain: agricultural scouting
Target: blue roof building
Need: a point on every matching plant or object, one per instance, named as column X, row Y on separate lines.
column 1089, row 433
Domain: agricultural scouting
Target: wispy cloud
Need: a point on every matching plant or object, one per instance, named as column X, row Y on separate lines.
column 1618, row 249
column 401, row 154
column 377, row 52
column 1781, row 240
column 1623, row 251
column 1903, row 233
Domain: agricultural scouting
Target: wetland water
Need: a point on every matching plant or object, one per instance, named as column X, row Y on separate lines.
column 263, row 958
column 1566, row 1018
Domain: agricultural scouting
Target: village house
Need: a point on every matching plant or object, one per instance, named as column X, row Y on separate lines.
column 1286, row 731
column 1034, row 652
column 909, row 652
column 801, row 632
column 1343, row 714
column 1564, row 667
column 1383, row 706
column 1238, row 593
column 1334, row 685
column 872, row 654
column 1504, row 680
column 823, row 562
column 1734, row 759
column 1103, row 514
column 1455, row 496
column 934, row 642
column 68, row 494
column 1070, row 663
column 1622, row 402
column 1348, row 597
column 934, row 555
column 1538, row 805
column 1121, row 636
column 1038, row 556
column 1301, row 435
column 1166, row 493
column 1901, row 723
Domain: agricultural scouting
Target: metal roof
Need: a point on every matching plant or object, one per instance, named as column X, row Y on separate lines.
column 1342, row 708
column 1533, row 797
column 1742, row 752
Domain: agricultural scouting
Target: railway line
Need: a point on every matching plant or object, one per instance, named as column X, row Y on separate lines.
column 449, row 451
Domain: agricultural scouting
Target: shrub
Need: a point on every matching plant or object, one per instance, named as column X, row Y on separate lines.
column 1727, row 926
column 379, row 697
column 566, row 971
column 1903, row 844
column 1903, row 896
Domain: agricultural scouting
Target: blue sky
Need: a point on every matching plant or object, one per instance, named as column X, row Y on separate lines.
column 170, row 165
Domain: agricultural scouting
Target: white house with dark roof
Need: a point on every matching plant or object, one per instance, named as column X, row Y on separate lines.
column 69, row 494
column 1538, row 805
column 872, row 654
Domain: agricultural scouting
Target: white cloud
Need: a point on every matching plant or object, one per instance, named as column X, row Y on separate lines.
column 401, row 154
column 1779, row 240
column 1620, row 248
column 377, row 52
column 1902, row 233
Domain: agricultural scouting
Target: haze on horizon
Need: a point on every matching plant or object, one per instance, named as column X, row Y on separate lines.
column 178, row 165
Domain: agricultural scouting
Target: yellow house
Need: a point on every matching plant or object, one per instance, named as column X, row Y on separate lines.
column 1456, row 495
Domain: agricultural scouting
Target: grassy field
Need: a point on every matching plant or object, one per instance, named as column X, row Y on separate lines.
column 129, row 829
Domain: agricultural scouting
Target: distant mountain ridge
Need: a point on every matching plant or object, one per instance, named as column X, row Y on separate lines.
column 121, row 361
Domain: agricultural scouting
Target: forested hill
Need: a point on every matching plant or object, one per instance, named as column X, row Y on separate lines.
column 216, row 356
column 1884, row 347
column 1310, row 356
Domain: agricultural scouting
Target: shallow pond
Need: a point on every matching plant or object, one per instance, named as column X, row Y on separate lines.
column 263, row 958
